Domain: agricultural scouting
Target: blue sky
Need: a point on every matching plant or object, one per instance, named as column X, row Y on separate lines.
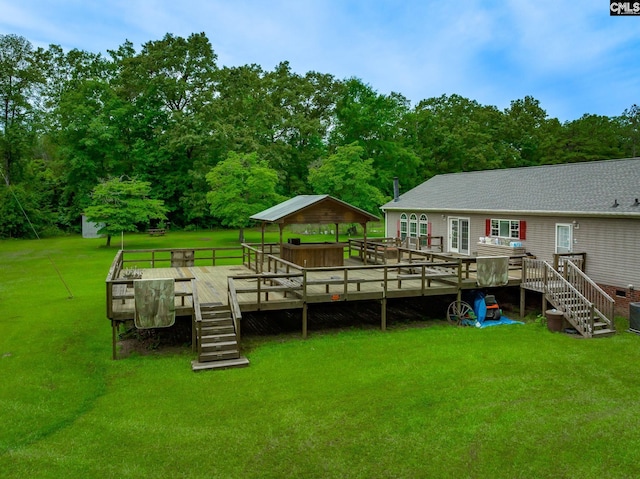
column 570, row 55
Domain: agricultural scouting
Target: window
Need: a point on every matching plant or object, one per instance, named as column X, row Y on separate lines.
column 424, row 226
column 403, row 226
column 505, row 228
column 413, row 226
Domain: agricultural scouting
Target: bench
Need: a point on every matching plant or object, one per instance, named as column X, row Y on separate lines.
column 156, row 231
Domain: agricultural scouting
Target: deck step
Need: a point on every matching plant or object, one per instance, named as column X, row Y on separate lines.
column 218, row 355
column 217, row 338
column 603, row 333
column 218, row 341
column 212, row 346
column 212, row 330
column 240, row 362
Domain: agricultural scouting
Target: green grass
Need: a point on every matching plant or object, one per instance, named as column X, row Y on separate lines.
column 437, row 401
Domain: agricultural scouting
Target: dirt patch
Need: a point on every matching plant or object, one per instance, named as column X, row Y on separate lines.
column 163, row 341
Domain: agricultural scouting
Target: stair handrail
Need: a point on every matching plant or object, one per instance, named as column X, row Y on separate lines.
column 604, row 304
column 234, row 306
column 577, row 308
column 196, row 328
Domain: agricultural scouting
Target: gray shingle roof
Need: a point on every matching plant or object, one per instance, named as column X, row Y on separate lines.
column 287, row 207
column 300, row 202
column 587, row 188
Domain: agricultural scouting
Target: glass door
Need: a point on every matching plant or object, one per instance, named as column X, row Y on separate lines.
column 459, row 235
column 564, row 238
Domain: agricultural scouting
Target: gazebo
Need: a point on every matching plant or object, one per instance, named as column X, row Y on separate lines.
column 313, row 209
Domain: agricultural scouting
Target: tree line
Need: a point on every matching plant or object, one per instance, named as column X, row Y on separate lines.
column 168, row 115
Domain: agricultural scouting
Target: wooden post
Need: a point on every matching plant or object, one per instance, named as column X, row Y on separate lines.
column 337, row 233
column 262, row 249
column 304, row 320
column 364, row 245
column 383, row 324
column 281, row 225
column 113, row 338
column 522, row 301
column 194, row 340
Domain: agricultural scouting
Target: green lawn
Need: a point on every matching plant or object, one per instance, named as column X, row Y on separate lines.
column 420, row 402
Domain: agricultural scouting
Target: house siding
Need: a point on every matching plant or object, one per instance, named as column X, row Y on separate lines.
column 611, row 244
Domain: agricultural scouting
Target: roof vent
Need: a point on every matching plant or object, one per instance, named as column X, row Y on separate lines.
column 636, row 203
column 615, row 203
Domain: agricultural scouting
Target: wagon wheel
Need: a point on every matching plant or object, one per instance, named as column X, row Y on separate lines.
column 455, row 316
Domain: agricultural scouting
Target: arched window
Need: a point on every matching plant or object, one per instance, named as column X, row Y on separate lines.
column 413, row 226
column 403, row 226
column 424, row 228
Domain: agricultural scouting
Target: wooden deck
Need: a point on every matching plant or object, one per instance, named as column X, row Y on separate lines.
column 266, row 282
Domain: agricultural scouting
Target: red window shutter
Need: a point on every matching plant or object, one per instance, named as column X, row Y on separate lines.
column 487, row 228
column 523, row 230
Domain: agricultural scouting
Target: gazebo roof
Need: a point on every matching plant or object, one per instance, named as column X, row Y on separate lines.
column 314, row 209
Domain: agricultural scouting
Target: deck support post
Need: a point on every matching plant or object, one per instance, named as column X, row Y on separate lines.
column 193, row 332
column 304, row 320
column 114, row 327
column 522, row 302
column 383, row 324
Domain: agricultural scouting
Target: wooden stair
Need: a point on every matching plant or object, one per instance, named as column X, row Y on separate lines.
column 216, row 339
column 588, row 308
column 578, row 310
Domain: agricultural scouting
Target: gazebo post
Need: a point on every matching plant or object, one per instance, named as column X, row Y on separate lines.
column 337, row 233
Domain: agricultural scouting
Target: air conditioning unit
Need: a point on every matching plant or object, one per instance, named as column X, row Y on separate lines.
column 634, row 317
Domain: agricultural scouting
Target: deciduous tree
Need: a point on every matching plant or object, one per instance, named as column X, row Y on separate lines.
column 347, row 176
column 121, row 204
column 241, row 186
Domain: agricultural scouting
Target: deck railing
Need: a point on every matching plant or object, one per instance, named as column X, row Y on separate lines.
column 578, row 259
column 196, row 326
column 236, row 315
column 381, row 250
column 603, row 303
column 573, row 292
column 304, row 283
column 120, row 288
column 178, row 257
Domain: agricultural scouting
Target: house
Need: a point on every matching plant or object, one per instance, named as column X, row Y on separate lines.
column 591, row 208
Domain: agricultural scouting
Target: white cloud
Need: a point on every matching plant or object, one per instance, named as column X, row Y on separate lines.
column 570, row 55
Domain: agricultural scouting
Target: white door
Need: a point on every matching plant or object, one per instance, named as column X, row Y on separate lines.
column 564, row 238
column 459, row 235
